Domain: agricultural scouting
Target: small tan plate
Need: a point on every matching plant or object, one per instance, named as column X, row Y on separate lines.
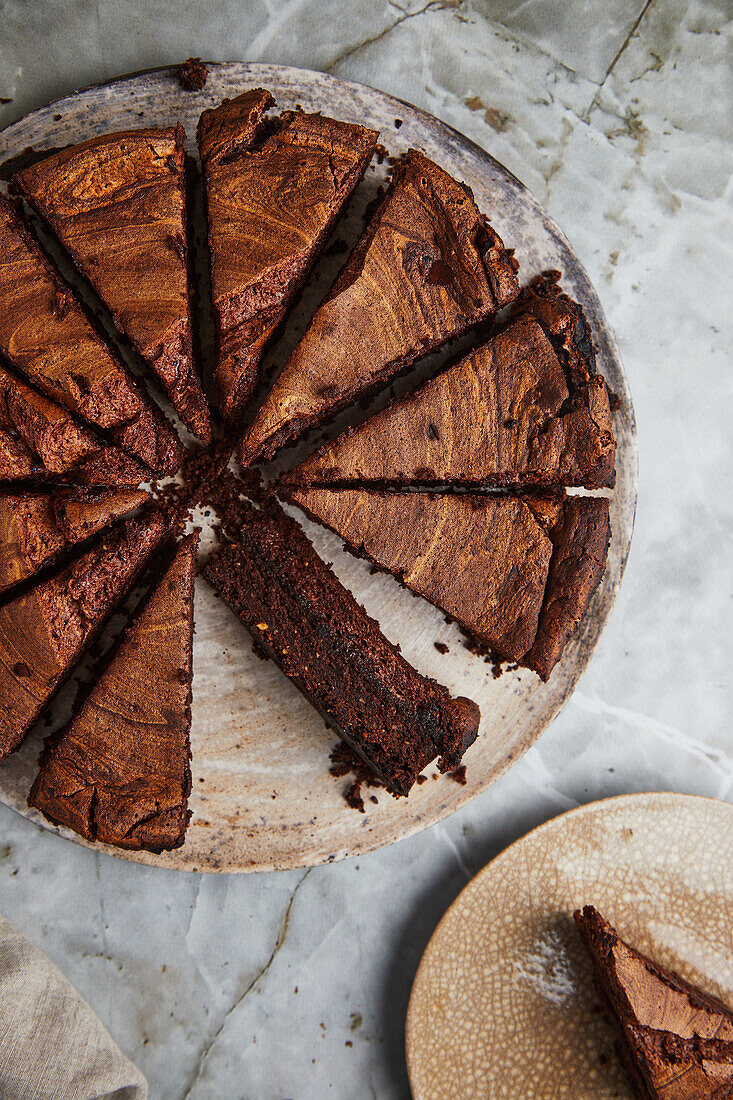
column 503, row 1004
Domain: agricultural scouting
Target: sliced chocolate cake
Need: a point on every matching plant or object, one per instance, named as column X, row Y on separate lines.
column 427, row 268
column 44, row 632
column 119, row 771
column 46, row 335
column 298, row 612
column 118, row 205
column 580, row 530
column 16, row 461
column 483, row 560
column 506, row 415
column 675, row 1041
column 35, row 528
column 274, row 189
column 64, row 447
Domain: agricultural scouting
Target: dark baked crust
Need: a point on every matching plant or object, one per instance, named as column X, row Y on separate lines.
column 64, row 447
column 323, row 640
column 675, row 1041
column 503, row 416
column 481, row 559
column 427, row 268
column 274, row 189
column 580, row 537
column 118, row 205
column 119, row 771
column 81, row 513
column 47, row 336
column 44, row 632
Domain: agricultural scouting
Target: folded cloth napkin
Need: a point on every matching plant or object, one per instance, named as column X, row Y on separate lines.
column 52, row 1045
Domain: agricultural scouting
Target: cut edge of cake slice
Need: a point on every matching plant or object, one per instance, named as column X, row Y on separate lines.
column 322, row 639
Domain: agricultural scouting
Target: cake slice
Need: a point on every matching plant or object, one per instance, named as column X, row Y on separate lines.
column 274, row 189
column 16, row 461
column 64, row 447
column 44, row 632
column 675, row 1041
column 483, row 560
column 427, row 267
column 119, row 771
column 506, row 415
column 46, row 335
column 117, row 203
column 299, row 613
column 580, row 531
column 36, row 528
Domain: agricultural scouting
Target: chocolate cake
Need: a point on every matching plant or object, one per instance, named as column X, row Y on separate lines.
column 312, row 627
column 46, row 335
column 64, row 447
column 427, row 268
column 580, row 530
column 44, row 631
column 34, row 529
column 483, row 560
column 506, row 415
column 118, row 205
column 119, row 771
column 274, row 189
column 675, row 1041
column 16, row 461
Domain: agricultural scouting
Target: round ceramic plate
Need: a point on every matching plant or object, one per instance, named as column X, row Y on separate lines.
column 262, row 794
column 503, row 1004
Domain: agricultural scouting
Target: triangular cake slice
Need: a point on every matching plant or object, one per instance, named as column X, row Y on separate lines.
column 36, row 528
column 46, row 335
column 117, row 203
column 428, row 267
column 675, row 1041
column 64, row 447
column 274, row 189
column 580, row 530
column 300, row 614
column 506, row 415
column 119, row 771
column 484, row 560
column 44, row 632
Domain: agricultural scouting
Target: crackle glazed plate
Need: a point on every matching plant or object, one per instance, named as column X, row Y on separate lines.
column 503, row 1004
column 262, row 795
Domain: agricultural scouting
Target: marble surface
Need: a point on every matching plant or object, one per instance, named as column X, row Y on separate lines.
column 295, row 985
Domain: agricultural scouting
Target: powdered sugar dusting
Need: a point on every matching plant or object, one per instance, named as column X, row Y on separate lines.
column 546, row 969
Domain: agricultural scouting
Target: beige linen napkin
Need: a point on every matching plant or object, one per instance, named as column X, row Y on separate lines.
column 52, row 1045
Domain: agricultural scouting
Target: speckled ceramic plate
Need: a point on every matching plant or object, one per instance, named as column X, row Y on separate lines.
column 503, row 1004
column 262, row 796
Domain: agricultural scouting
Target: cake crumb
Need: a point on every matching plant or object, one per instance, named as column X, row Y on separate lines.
column 458, row 775
column 192, row 74
column 441, row 647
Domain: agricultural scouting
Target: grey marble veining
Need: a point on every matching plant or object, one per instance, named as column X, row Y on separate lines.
column 616, row 117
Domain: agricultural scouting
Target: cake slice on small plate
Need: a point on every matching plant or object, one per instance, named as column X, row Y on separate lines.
column 37, row 527
column 117, row 203
column 119, row 771
column 45, row 631
column 302, row 617
column 427, row 268
column 506, row 415
column 46, row 335
column 66, row 449
column 274, row 189
column 675, row 1041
